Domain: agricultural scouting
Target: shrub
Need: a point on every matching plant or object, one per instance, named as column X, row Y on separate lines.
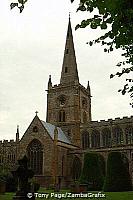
column 11, row 183
column 117, row 178
column 33, row 185
column 93, row 171
column 6, row 176
column 36, row 187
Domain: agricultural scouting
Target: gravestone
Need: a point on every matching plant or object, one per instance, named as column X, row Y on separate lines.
column 23, row 173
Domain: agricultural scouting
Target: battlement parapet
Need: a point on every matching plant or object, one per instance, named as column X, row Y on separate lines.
column 117, row 120
column 11, row 141
column 57, row 86
column 1, row 144
column 7, row 142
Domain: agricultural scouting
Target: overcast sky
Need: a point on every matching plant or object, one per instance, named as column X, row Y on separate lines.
column 31, row 48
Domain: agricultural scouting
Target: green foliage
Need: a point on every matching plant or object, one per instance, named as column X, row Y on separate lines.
column 19, row 5
column 93, row 171
column 118, row 16
column 7, row 177
column 117, row 178
column 36, row 187
column 102, row 164
column 33, row 185
column 3, row 173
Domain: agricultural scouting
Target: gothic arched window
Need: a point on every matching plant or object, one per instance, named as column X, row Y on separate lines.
column 117, row 135
column 129, row 135
column 84, row 103
column 95, row 138
column 106, row 136
column 84, row 117
column 63, row 116
column 35, row 156
column 76, row 168
column 85, row 140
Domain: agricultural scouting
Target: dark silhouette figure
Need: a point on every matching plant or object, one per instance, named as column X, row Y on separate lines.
column 22, row 173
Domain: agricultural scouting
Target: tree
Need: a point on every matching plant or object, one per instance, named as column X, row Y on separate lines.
column 20, row 5
column 117, row 17
column 93, row 171
column 117, row 177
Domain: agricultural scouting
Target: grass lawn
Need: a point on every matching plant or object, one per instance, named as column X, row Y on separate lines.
column 109, row 196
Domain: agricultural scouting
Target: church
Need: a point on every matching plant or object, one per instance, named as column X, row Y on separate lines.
column 56, row 148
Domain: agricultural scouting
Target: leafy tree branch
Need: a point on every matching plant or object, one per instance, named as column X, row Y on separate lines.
column 19, row 5
column 118, row 16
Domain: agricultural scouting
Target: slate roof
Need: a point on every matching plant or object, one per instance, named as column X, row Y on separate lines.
column 61, row 135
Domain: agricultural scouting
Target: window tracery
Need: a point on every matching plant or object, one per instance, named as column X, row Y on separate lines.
column 35, row 156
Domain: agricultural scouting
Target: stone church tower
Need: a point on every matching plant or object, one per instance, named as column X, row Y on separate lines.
column 52, row 155
column 69, row 103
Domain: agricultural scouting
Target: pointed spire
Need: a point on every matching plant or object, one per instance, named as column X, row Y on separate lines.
column 69, row 72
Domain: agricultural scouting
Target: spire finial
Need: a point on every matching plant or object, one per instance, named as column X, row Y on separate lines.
column 17, row 128
column 49, row 78
column 36, row 113
column 69, row 15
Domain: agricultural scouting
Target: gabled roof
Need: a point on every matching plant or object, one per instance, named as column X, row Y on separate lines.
column 61, row 135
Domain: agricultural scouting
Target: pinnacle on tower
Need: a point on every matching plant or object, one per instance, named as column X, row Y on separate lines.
column 88, row 88
column 17, row 134
column 69, row 74
column 49, row 82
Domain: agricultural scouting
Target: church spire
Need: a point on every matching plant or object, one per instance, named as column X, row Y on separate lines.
column 69, row 74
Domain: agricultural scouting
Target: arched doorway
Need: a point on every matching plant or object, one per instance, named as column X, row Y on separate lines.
column 35, row 156
column 76, row 168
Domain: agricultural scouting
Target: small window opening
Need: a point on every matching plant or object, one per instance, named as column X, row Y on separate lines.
column 66, row 69
column 35, row 129
column 62, row 116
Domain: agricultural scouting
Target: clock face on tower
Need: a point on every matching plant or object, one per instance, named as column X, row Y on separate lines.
column 62, row 100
